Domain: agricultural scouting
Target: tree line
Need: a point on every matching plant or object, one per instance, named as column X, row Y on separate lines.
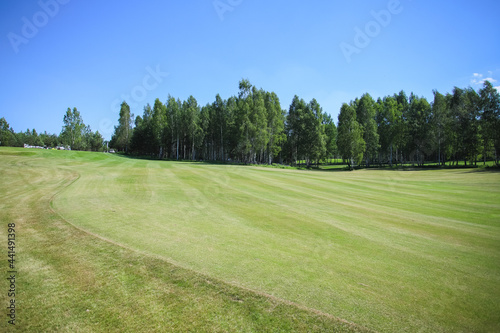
column 463, row 125
column 252, row 127
column 75, row 134
column 249, row 128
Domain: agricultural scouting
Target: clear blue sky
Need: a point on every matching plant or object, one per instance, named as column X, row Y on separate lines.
column 90, row 54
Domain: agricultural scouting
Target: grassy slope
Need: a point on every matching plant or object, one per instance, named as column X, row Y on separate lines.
column 70, row 281
column 390, row 250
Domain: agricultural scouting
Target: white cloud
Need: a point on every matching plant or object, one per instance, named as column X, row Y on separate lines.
column 479, row 79
column 497, row 88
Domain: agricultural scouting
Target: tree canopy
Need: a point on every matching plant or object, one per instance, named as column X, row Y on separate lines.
column 252, row 127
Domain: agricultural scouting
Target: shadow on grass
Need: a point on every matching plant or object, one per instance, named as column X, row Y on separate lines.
column 328, row 167
column 153, row 158
column 480, row 169
column 465, row 169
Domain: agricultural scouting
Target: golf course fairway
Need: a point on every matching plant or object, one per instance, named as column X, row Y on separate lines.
column 111, row 243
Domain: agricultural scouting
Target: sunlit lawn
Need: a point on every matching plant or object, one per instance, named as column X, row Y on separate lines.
column 385, row 249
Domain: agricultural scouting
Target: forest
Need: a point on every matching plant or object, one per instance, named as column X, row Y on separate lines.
column 75, row 134
column 252, row 127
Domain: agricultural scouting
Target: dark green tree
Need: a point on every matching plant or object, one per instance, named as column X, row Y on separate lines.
column 219, row 122
column 418, row 124
column 471, row 127
column 350, row 142
column 7, row 135
column 158, row 125
column 275, row 125
column 464, row 108
column 251, row 122
column 440, row 123
column 123, row 132
column 365, row 115
column 389, row 119
column 143, row 140
column 193, row 135
column 49, row 140
column 330, row 136
column 95, row 141
column 314, row 132
column 490, row 120
column 401, row 139
column 173, row 112
column 73, row 129
column 258, row 118
column 295, row 129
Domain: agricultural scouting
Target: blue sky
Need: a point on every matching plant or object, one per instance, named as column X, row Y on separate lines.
column 92, row 54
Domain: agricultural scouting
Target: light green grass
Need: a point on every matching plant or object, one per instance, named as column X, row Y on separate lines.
column 71, row 281
column 388, row 250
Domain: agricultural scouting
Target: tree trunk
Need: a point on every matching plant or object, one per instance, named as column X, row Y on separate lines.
column 484, row 155
column 222, row 144
column 391, row 156
column 439, row 152
column 177, row 147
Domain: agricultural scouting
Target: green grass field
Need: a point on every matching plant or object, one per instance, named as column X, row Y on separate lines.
column 110, row 243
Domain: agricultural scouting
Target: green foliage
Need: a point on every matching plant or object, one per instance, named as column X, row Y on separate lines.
column 49, row 140
column 173, row 113
column 158, row 125
column 73, row 129
column 365, row 116
column 143, row 140
column 192, row 132
column 7, row 135
column 123, row 132
column 295, row 129
column 253, row 128
column 315, row 138
column 330, row 136
column 350, row 140
column 417, row 121
column 489, row 111
column 464, row 111
column 306, row 131
column 440, row 125
column 275, row 125
column 251, row 123
column 95, row 141
column 389, row 123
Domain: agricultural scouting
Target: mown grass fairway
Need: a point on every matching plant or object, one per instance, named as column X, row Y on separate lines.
column 187, row 244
